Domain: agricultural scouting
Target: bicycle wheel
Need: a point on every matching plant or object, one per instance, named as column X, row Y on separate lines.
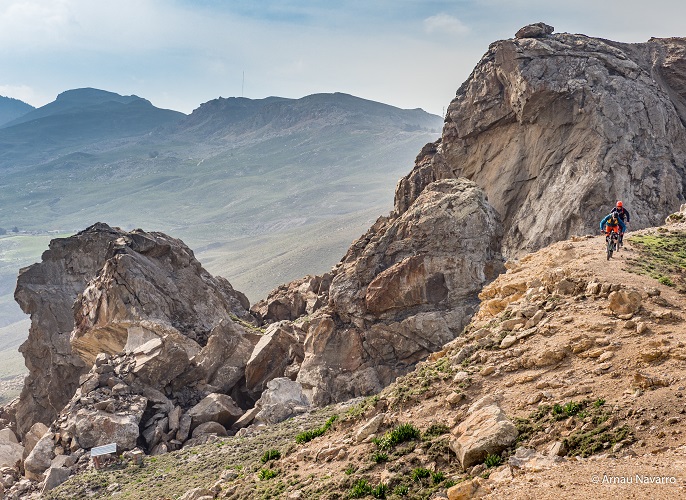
column 609, row 250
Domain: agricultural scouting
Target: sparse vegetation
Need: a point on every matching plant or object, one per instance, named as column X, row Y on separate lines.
column 493, row 461
column 662, row 256
column 379, row 457
column 266, row 474
column 307, row 436
column 400, row 434
column 420, row 473
column 270, row 455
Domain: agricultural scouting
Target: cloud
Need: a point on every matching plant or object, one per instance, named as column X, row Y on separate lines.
column 445, row 24
column 23, row 93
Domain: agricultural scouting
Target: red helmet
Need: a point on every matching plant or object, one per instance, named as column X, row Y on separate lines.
column 619, row 204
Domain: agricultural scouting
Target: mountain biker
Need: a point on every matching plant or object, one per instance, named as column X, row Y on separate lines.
column 612, row 223
column 624, row 215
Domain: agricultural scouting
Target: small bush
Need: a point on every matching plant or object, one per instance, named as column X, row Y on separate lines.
column 307, row 436
column 437, row 477
column 400, row 434
column 401, row 490
column 266, row 474
column 493, row 461
column 270, row 455
column 350, row 469
column 380, row 491
column 360, row 489
column 420, row 473
column 598, row 403
column 379, row 457
column 436, row 430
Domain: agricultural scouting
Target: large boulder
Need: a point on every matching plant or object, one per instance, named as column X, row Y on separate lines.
column 93, row 427
column 215, row 408
column 556, row 127
column 283, row 399
column 278, row 348
column 485, row 431
column 40, row 458
column 10, row 454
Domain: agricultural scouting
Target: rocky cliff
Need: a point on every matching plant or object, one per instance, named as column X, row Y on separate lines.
column 557, row 127
column 109, row 291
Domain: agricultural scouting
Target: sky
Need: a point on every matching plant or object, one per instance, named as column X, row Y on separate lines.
column 181, row 53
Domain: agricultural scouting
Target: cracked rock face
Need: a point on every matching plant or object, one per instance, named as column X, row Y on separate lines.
column 403, row 290
column 110, row 291
column 557, row 128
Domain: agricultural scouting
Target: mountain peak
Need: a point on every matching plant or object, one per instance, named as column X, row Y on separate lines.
column 91, row 95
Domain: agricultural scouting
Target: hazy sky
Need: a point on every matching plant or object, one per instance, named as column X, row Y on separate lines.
column 181, row 53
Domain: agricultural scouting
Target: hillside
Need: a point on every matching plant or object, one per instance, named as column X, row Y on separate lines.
column 11, row 109
column 584, row 355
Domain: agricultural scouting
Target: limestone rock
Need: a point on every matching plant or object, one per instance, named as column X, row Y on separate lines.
column 466, row 490
column 278, row 348
column 403, row 290
column 283, row 399
column 97, row 428
column 210, row 428
column 485, row 431
column 288, row 302
column 118, row 280
column 625, row 301
column 10, row 454
column 215, row 408
column 54, row 476
column 538, row 30
column 504, row 131
column 370, row 427
column 32, row 437
column 40, row 458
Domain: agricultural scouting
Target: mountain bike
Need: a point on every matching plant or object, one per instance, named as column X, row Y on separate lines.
column 611, row 240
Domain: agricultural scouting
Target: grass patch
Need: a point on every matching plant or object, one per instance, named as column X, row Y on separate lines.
column 266, row 474
column 399, row 434
column 307, row 436
column 420, row 473
column 493, row 461
column 662, row 256
column 270, row 455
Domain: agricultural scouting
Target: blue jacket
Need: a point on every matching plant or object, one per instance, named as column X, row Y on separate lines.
column 623, row 214
column 606, row 222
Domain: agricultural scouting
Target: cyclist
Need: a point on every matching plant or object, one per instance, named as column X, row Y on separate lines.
column 612, row 223
column 624, row 215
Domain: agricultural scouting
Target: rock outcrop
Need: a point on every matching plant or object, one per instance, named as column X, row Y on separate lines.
column 403, row 290
column 557, row 127
column 111, row 291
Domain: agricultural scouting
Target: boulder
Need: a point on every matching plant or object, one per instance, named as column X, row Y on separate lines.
column 283, row 399
column 94, row 292
column 7, row 436
column 54, row 476
column 210, row 428
column 97, row 428
column 278, row 348
column 40, row 458
column 624, row 301
column 32, row 437
column 485, row 431
column 537, row 30
column 10, row 454
column 545, row 118
column 403, row 290
column 215, row 408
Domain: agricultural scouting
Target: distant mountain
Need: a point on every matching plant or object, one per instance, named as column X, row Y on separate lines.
column 11, row 109
column 236, row 116
column 79, row 118
column 291, row 180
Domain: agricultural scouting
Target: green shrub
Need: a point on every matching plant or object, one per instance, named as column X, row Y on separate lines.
column 401, row 490
column 420, row 473
column 307, row 436
column 400, row 434
column 436, row 430
column 380, row 491
column 270, row 455
column 266, row 474
column 598, row 403
column 493, row 461
column 437, row 477
column 360, row 489
column 379, row 457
